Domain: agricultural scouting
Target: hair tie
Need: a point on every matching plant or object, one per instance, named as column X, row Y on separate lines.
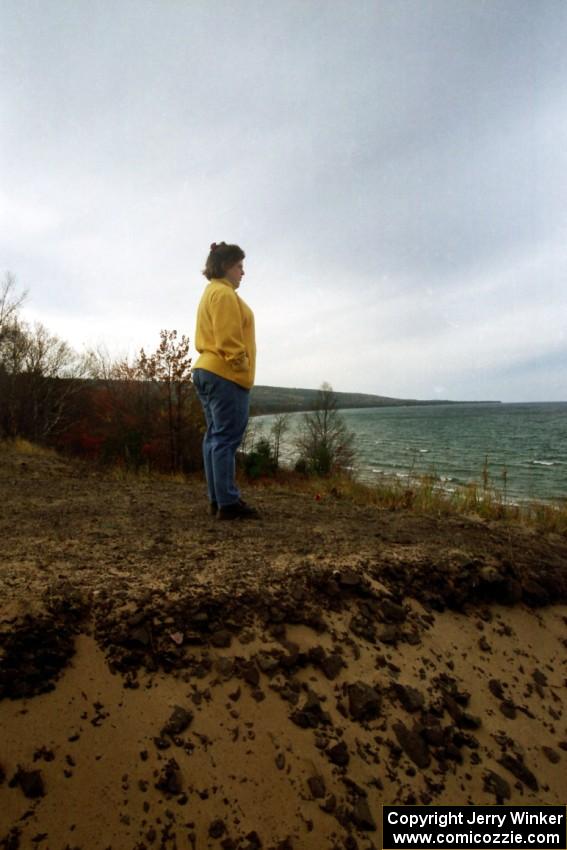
column 214, row 246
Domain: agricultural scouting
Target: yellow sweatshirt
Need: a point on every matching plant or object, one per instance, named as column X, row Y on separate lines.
column 225, row 336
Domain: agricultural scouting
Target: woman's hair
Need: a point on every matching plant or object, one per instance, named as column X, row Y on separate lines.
column 222, row 257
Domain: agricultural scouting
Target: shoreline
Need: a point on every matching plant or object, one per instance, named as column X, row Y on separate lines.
column 391, row 450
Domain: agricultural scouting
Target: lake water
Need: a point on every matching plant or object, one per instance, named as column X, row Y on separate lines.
column 524, row 446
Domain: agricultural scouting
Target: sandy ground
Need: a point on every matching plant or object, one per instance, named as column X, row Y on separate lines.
column 171, row 681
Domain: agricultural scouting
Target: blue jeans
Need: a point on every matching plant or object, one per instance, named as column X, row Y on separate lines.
column 226, row 407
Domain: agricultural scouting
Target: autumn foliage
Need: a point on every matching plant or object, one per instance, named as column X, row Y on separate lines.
column 143, row 414
column 140, row 414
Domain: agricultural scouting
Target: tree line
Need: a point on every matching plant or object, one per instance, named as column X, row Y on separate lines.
column 139, row 413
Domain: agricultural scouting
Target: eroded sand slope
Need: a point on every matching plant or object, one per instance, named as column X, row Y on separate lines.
column 171, row 681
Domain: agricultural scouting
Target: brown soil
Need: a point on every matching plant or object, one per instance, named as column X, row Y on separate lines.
column 169, row 680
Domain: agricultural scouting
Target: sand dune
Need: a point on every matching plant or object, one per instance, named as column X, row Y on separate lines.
column 170, row 681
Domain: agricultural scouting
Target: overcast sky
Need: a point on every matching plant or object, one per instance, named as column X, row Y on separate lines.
column 395, row 170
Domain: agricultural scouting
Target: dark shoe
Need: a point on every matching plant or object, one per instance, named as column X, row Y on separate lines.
column 238, row 510
column 213, row 508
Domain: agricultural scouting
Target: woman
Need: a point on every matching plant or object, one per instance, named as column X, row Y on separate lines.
column 223, row 376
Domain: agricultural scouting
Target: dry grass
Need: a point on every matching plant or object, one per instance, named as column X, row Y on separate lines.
column 24, row 447
column 424, row 495
column 121, row 472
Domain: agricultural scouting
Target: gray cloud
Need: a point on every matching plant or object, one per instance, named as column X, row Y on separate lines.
column 396, row 172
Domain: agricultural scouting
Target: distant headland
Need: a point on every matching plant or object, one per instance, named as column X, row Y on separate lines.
column 265, row 400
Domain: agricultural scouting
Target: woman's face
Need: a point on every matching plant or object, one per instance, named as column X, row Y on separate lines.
column 235, row 273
